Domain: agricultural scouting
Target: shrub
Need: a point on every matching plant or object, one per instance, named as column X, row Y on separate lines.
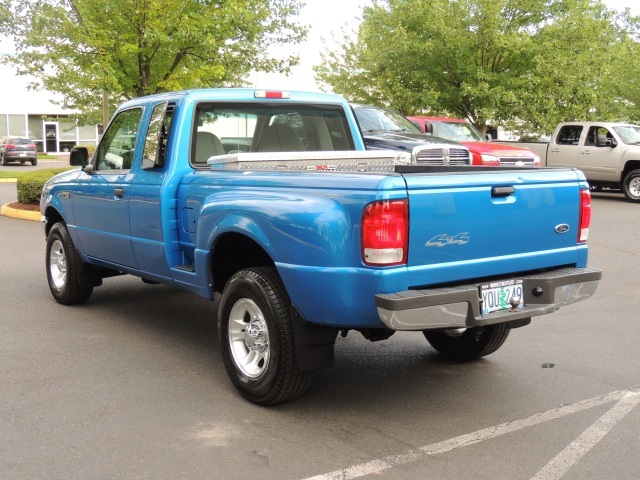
column 30, row 184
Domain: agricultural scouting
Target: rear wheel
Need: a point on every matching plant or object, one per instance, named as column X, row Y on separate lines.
column 256, row 337
column 631, row 186
column 468, row 343
column 34, row 162
column 63, row 268
column 4, row 161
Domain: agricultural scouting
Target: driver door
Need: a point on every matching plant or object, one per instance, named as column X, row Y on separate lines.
column 101, row 205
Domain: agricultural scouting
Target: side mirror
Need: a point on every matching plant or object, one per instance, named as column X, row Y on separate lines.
column 614, row 143
column 79, row 156
column 489, row 137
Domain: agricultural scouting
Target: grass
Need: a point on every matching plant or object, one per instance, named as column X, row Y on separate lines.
column 10, row 174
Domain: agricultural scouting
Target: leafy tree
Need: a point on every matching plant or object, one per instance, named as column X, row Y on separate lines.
column 526, row 64
column 129, row 48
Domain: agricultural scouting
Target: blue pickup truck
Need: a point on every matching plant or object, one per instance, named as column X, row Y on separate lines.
column 268, row 201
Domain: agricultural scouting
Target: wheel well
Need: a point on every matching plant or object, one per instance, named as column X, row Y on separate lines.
column 629, row 166
column 53, row 217
column 233, row 252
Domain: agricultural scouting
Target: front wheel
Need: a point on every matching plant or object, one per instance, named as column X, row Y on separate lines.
column 468, row 343
column 63, row 268
column 256, row 337
column 631, row 186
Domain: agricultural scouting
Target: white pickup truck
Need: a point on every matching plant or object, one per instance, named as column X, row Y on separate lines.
column 607, row 153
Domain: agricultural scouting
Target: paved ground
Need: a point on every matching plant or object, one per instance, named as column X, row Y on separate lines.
column 131, row 386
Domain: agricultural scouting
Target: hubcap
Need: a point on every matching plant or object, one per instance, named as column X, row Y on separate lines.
column 634, row 187
column 249, row 338
column 58, row 264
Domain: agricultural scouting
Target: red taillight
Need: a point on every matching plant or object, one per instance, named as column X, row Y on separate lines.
column 585, row 215
column 385, row 232
column 11, row 145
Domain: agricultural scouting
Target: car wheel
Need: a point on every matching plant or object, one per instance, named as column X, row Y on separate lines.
column 63, row 268
column 631, row 186
column 34, row 162
column 468, row 343
column 256, row 337
column 4, row 161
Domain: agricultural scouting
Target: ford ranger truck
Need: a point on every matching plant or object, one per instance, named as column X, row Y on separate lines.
column 268, row 202
column 483, row 151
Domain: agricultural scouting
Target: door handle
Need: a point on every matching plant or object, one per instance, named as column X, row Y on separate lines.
column 502, row 191
column 118, row 192
column 586, row 152
column 555, row 150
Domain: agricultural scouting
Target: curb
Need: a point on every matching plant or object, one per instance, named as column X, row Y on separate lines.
column 7, row 211
column 8, row 180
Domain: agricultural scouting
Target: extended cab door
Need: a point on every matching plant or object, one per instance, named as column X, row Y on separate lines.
column 600, row 156
column 101, row 204
column 564, row 148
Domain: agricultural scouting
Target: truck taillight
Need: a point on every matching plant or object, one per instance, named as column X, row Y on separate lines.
column 585, row 215
column 385, row 232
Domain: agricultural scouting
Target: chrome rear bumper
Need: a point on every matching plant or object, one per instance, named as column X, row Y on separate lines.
column 459, row 306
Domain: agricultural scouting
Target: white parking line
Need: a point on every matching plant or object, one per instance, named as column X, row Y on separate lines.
column 390, row 461
column 585, row 442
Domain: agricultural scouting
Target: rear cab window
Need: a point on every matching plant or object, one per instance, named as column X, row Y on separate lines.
column 225, row 128
column 569, row 135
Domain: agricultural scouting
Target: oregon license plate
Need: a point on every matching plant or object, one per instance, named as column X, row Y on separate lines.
column 497, row 296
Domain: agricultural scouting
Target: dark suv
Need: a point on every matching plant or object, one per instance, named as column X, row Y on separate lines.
column 17, row 149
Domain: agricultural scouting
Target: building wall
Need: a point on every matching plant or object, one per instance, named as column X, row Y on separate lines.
column 50, row 133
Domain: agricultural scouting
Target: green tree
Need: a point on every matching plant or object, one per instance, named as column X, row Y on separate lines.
column 526, row 64
column 129, row 48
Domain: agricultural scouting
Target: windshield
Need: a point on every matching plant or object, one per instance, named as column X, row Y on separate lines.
column 629, row 134
column 375, row 119
column 457, row 131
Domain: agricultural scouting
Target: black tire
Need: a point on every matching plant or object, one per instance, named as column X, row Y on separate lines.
column 4, row 161
column 631, row 186
column 34, row 162
column 469, row 343
column 256, row 338
column 63, row 268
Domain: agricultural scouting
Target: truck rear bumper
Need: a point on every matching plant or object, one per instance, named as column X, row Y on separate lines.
column 460, row 306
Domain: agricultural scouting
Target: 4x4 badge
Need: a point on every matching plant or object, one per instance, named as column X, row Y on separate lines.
column 444, row 239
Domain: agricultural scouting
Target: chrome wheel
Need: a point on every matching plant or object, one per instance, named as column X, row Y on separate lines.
column 249, row 338
column 58, row 264
column 634, row 187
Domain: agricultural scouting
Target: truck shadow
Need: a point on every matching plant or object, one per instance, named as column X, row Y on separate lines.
column 403, row 370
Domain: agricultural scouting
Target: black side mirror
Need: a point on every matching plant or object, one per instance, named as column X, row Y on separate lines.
column 79, row 156
column 614, row 143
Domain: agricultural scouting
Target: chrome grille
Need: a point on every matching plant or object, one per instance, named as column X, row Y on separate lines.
column 514, row 160
column 442, row 155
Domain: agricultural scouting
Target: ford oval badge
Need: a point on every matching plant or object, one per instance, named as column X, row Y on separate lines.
column 562, row 228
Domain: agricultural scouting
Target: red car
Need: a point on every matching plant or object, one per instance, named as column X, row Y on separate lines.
column 483, row 151
column 17, row 149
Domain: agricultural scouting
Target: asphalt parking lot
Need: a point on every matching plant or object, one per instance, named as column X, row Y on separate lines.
column 131, row 385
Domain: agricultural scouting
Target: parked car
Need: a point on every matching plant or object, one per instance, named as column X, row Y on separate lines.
column 484, row 151
column 386, row 129
column 17, row 149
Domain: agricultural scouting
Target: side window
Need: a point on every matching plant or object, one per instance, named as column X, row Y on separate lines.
column 155, row 144
column 569, row 135
column 117, row 147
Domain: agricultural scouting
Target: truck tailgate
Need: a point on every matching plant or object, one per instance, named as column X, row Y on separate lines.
column 469, row 225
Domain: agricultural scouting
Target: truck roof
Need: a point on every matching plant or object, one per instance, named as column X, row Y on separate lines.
column 240, row 94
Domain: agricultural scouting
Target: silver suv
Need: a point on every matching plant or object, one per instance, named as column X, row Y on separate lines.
column 17, row 149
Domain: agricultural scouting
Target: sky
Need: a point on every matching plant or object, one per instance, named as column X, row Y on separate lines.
column 324, row 17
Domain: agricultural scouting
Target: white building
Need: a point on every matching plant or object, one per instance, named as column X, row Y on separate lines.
column 32, row 114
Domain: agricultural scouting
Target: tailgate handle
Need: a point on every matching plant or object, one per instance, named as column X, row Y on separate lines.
column 502, row 191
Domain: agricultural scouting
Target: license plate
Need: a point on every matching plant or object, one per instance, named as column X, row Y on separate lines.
column 23, row 154
column 496, row 296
